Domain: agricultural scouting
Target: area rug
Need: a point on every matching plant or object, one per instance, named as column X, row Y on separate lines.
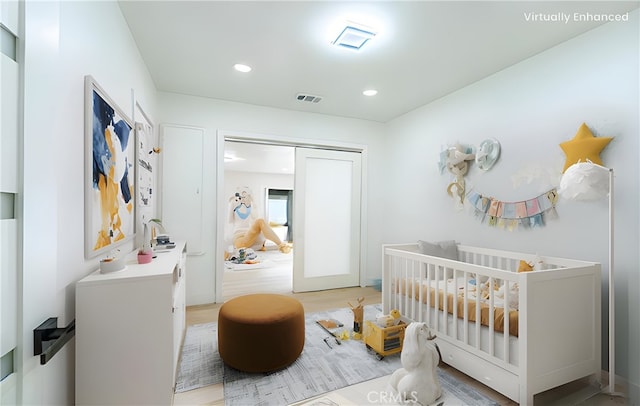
column 322, row 367
column 232, row 266
column 270, row 258
column 200, row 363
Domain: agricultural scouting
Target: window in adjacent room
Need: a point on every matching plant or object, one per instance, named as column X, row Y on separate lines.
column 280, row 212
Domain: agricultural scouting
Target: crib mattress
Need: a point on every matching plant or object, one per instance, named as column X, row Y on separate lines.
column 455, row 304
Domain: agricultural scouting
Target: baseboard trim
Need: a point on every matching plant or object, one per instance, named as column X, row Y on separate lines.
column 634, row 393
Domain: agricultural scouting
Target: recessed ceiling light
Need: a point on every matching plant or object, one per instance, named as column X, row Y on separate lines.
column 353, row 36
column 242, row 68
column 370, row 92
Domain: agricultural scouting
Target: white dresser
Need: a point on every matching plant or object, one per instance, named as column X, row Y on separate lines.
column 129, row 330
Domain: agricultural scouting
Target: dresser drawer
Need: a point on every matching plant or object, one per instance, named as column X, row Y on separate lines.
column 481, row 370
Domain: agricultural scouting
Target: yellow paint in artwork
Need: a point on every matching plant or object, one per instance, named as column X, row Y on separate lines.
column 108, row 191
column 103, row 240
column 130, row 204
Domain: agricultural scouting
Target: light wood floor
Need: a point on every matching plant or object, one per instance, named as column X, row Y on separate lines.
column 279, row 281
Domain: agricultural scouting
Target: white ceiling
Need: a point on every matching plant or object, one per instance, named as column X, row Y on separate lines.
column 424, row 49
column 259, row 158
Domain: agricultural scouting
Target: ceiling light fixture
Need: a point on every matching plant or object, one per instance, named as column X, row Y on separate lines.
column 242, row 68
column 370, row 92
column 354, row 37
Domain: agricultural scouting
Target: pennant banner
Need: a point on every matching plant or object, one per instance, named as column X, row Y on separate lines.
column 529, row 213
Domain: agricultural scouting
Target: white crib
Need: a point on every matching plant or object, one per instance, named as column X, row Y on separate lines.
column 553, row 314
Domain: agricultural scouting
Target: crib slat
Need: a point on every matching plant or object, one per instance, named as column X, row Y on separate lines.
column 507, row 312
column 491, row 284
column 437, row 299
column 407, row 292
column 421, row 268
column 429, row 279
column 416, row 270
column 466, row 308
column 478, row 318
column 455, row 303
column 412, row 271
column 445, row 304
column 399, row 272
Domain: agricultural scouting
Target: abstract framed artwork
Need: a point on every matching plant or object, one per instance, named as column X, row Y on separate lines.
column 109, row 173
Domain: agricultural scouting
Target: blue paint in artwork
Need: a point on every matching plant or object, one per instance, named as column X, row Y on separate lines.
column 122, row 131
column 124, row 186
column 104, row 116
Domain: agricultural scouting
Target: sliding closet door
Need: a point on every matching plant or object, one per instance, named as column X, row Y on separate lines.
column 327, row 219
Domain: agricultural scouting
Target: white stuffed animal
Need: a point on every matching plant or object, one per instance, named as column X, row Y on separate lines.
column 417, row 381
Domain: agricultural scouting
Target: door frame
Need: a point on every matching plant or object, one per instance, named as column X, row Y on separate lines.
column 256, row 138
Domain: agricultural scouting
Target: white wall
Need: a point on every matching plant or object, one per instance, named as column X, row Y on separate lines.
column 64, row 41
column 214, row 115
column 531, row 108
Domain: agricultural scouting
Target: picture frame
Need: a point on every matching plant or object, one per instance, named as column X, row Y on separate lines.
column 145, row 164
column 110, row 178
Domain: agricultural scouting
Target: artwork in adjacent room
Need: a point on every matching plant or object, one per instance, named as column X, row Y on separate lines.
column 245, row 229
column 109, row 176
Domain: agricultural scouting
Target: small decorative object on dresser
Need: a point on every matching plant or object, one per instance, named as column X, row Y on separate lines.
column 110, row 264
column 145, row 257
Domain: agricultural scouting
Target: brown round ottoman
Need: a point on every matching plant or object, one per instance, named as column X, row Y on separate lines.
column 260, row 332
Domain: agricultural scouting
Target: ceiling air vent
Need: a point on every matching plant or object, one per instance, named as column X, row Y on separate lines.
column 308, row 98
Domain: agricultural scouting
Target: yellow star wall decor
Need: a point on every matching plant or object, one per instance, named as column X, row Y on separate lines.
column 584, row 147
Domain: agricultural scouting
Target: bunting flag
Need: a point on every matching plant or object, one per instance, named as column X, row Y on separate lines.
column 511, row 215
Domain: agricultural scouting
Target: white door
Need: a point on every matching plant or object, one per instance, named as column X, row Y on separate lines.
column 182, row 184
column 327, row 219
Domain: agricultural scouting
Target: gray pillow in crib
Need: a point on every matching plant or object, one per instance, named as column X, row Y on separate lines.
column 443, row 249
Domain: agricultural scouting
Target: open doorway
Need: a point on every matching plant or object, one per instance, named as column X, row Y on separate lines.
column 322, row 171
column 268, row 173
